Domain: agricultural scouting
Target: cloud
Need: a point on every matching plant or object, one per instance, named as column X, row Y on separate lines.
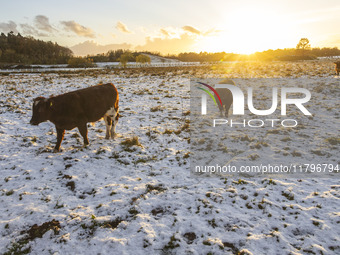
column 123, row 28
column 191, row 30
column 164, row 32
column 185, row 42
column 78, row 29
column 30, row 30
column 92, row 48
column 169, row 32
column 42, row 23
column 8, row 27
column 175, row 39
column 212, row 32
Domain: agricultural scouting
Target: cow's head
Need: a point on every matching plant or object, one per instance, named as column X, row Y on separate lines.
column 41, row 109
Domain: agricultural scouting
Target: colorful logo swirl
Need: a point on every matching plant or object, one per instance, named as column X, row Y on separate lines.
column 209, row 93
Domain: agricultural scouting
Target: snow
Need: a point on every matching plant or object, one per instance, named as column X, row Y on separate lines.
column 110, row 198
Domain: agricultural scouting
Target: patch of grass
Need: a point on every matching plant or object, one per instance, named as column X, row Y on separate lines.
column 316, row 223
column 333, row 140
column 112, row 224
column 212, row 223
column 271, row 182
column 133, row 211
column 100, row 151
column 190, row 237
column 254, row 156
column 286, row 139
column 168, row 131
column 20, row 247
column 156, row 108
column 186, row 113
column 240, row 181
column 158, row 187
column 172, row 244
column 273, row 131
column 114, row 155
column 288, row 195
column 246, row 138
column 145, row 160
column 248, row 205
column 71, row 185
column 259, row 145
column 133, row 141
column 9, row 193
column 182, row 128
column 57, row 205
column 206, row 242
column 295, row 153
column 318, row 152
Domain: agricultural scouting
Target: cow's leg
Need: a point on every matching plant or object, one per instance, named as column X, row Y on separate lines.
column 226, row 111
column 221, row 110
column 60, row 137
column 83, row 131
column 114, row 124
column 108, row 123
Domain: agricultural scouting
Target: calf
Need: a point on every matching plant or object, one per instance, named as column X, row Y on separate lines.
column 77, row 108
column 337, row 67
column 226, row 98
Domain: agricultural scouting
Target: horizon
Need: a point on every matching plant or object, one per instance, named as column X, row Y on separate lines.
column 176, row 27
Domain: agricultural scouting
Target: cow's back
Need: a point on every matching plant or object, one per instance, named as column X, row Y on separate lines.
column 84, row 105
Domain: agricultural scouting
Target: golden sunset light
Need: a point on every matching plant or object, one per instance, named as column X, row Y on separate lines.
column 248, row 30
column 239, row 27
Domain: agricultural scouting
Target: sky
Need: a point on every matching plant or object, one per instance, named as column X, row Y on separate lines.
column 243, row 26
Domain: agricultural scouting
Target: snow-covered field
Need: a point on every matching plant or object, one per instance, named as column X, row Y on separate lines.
column 135, row 194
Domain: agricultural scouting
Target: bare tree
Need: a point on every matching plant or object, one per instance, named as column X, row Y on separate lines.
column 303, row 46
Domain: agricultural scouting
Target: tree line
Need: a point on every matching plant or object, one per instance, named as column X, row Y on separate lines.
column 122, row 56
column 288, row 54
column 302, row 51
column 116, row 56
column 27, row 50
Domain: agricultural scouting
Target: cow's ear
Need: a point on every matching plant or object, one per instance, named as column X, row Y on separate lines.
column 38, row 99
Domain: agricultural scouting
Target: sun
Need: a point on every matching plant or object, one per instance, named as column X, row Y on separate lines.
column 248, row 30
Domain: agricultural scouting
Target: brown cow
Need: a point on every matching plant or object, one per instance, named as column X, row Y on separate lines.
column 77, row 108
column 226, row 98
column 337, row 67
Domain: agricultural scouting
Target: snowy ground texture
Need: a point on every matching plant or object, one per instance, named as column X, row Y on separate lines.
column 137, row 196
